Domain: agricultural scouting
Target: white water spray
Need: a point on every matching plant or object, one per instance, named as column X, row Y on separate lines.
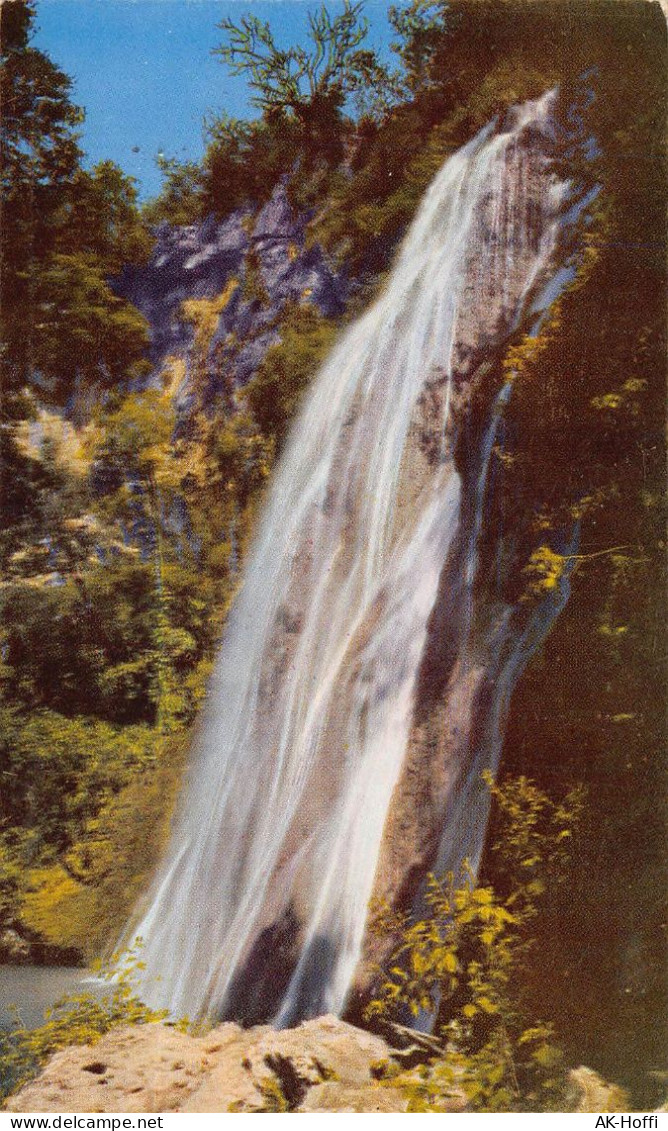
column 311, row 703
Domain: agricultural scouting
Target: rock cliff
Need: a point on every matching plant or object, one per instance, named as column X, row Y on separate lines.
column 251, row 267
column 364, row 677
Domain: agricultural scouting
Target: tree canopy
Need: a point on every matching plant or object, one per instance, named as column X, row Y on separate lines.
column 65, row 231
column 302, row 79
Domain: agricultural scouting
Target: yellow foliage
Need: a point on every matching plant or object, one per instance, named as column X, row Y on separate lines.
column 520, row 358
column 77, row 1019
column 173, row 375
column 273, row 1096
column 624, row 398
column 116, row 855
column 203, row 314
column 463, row 961
column 609, row 400
column 545, row 570
column 58, row 908
column 507, row 459
column 68, row 445
column 614, row 630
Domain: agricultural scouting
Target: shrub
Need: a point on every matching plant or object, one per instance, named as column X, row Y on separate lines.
column 462, row 964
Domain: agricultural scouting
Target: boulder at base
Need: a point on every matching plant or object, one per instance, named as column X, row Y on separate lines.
column 322, row 1065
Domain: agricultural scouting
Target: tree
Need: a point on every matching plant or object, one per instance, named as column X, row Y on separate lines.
column 86, row 336
column 65, row 232
column 244, row 160
column 310, row 83
column 420, row 28
column 103, row 219
column 181, row 197
column 137, row 442
column 283, row 375
column 39, row 157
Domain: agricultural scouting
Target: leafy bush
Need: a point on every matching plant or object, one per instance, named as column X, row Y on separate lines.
column 180, row 200
column 277, row 388
column 80, row 897
column 59, row 772
column 462, row 963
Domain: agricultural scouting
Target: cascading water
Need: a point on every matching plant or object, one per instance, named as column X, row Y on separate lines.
column 278, row 842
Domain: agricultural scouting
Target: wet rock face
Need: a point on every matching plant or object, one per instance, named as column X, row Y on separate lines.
column 475, row 648
column 262, row 260
column 362, row 687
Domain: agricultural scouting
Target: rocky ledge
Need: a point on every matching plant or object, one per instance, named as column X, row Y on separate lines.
column 323, row 1065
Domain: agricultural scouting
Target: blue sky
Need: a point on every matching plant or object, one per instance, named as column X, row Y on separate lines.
column 143, row 71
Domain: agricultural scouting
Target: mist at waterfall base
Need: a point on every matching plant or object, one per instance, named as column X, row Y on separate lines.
column 260, row 909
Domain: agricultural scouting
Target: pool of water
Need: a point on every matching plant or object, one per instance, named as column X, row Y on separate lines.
column 32, row 989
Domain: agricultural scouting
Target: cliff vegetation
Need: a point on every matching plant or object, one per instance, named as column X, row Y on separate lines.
column 131, row 477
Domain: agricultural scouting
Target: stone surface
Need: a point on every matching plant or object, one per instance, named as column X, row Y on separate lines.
column 322, row 1065
column 589, row 1092
column 13, row 948
column 266, row 256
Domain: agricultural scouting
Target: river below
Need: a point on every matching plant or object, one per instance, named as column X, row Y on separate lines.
column 32, row 989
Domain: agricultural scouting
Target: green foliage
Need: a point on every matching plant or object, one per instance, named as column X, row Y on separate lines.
column 64, row 232
column 103, row 219
column 203, row 314
column 532, row 846
column 455, row 77
column 57, row 773
column 311, row 81
column 26, row 484
column 254, row 289
column 137, row 436
column 420, row 27
column 301, row 92
column 545, row 570
column 243, row 160
column 277, row 388
column 86, row 336
column 66, row 669
column 180, row 200
column 463, row 963
column 585, row 445
column 136, row 453
column 273, row 1096
column 241, row 455
column 77, row 1019
column 73, row 895
column 11, row 881
column 39, row 157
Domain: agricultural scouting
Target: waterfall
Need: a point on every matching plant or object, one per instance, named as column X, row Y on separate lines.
column 277, row 842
